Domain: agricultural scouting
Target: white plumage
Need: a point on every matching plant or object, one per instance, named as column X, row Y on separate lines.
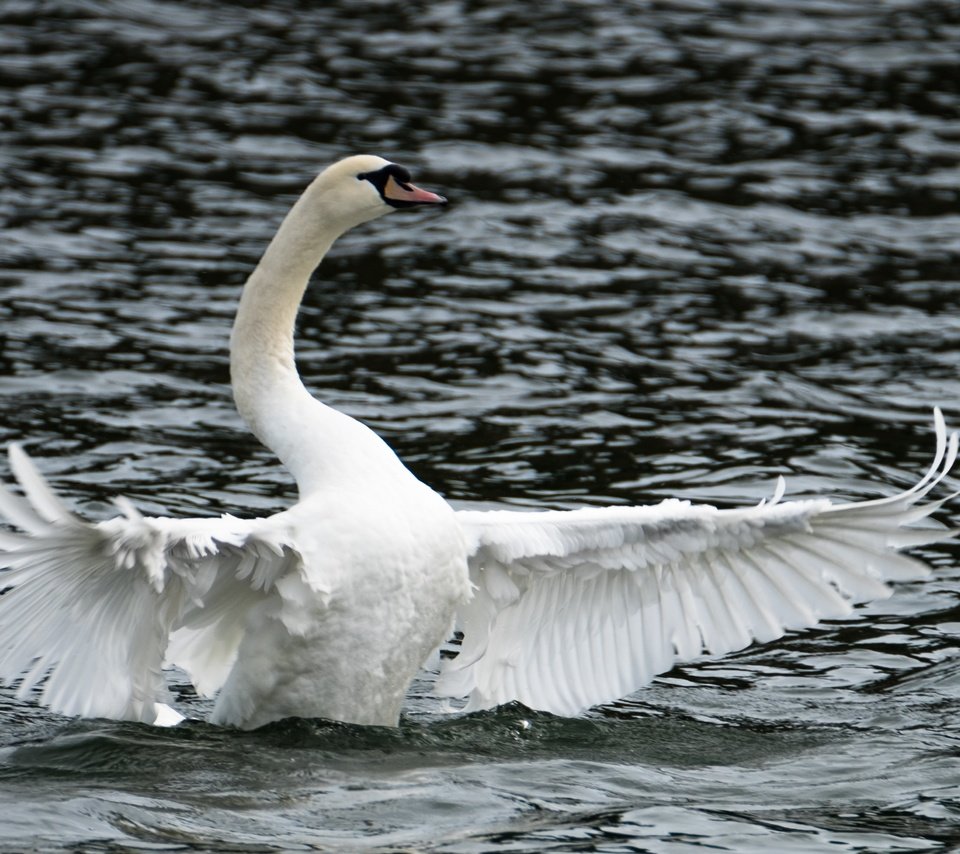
column 328, row 609
column 573, row 608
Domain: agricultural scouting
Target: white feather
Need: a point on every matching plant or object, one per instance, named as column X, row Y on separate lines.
column 88, row 619
column 633, row 590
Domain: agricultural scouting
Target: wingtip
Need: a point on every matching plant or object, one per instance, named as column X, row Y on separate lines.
column 35, row 487
column 944, row 458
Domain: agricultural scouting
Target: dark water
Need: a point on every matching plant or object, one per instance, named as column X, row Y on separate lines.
column 692, row 245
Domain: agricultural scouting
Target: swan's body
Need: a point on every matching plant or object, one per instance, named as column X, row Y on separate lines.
column 329, row 608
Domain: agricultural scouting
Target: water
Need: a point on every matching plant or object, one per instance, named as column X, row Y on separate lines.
column 691, row 246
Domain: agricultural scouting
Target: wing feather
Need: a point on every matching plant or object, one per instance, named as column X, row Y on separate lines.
column 88, row 611
column 575, row 608
column 40, row 496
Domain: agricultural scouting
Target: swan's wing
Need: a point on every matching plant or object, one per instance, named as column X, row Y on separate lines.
column 575, row 608
column 90, row 613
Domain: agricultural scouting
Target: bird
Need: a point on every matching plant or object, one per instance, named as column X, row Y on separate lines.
column 329, row 609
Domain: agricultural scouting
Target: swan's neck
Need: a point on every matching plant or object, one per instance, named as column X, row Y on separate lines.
column 267, row 388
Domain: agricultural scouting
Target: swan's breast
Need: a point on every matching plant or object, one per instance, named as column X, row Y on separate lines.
column 382, row 575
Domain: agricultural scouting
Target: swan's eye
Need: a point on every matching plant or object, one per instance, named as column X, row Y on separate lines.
column 381, row 177
column 391, row 170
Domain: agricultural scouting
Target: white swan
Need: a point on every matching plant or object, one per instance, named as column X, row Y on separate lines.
column 329, row 608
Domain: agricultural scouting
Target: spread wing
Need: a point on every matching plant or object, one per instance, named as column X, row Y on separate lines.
column 91, row 613
column 575, row 608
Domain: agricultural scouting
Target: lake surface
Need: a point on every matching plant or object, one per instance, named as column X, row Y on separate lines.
column 691, row 246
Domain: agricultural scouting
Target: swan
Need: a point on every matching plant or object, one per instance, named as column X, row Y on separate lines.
column 328, row 609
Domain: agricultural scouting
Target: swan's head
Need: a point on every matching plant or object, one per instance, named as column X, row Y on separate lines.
column 364, row 187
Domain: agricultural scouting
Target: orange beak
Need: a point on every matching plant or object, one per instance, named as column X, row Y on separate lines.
column 409, row 194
